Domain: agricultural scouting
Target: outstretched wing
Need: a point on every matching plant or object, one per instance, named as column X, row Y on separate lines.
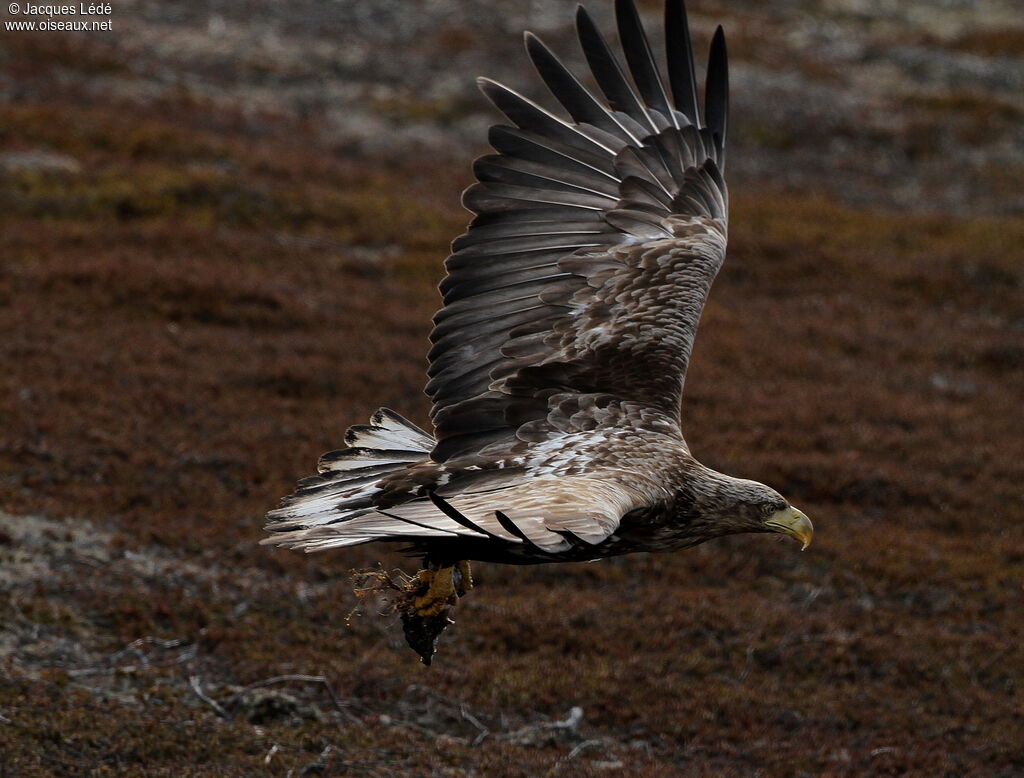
column 595, row 242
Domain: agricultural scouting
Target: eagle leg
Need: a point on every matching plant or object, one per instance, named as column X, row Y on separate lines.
column 427, row 603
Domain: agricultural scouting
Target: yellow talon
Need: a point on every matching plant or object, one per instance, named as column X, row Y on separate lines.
column 464, row 578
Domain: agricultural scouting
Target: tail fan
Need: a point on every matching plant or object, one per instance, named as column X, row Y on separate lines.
column 348, row 477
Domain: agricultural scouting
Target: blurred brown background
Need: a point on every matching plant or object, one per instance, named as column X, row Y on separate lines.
column 222, row 224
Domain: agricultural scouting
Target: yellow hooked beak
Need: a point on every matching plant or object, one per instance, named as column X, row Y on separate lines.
column 794, row 523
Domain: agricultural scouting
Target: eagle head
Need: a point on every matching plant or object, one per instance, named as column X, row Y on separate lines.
column 717, row 504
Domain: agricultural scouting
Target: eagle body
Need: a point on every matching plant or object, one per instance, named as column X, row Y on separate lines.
column 558, row 358
column 645, row 463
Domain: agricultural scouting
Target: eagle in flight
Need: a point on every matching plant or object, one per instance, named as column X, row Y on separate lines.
column 558, row 357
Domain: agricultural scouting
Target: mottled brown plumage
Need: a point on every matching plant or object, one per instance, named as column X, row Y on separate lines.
column 558, row 359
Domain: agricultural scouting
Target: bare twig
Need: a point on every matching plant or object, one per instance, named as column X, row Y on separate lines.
column 321, row 761
column 185, row 656
column 580, row 748
column 388, row 721
column 746, row 666
column 483, row 731
column 135, row 645
column 569, row 723
column 320, row 679
column 194, row 682
column 270, row 754
column 280, row 679
column 572, row 721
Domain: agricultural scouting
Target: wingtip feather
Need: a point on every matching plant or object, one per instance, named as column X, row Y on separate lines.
column 716, row 91
column 679, row 54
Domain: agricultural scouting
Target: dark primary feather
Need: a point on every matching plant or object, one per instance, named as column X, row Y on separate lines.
column 716, row 92
column 640, row 58
column 607, row 72
column 529, row 116
column 679, row 53
column 581, row 105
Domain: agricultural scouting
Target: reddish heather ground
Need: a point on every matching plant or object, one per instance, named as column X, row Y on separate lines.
column 195, row 303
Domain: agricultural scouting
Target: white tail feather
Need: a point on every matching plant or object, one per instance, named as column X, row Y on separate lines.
column 349, row 479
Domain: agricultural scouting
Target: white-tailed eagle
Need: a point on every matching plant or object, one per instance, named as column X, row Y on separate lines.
column 558, row 358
